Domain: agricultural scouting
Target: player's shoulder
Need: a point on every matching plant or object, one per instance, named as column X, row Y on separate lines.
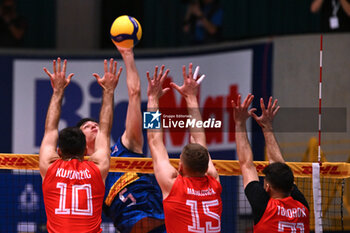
column 120, row 150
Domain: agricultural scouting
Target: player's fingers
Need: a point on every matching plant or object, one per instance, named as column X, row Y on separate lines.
column 59, row 65
column 262, row 105
column 239, row 101
column 176, row 87
column 250, row 100
column 233, row 103
column 155, row 72
column 184, row 72
column 119, row 71
column 276, row 110
column 70, row 77
column 246, row 101
column 164, row 76
column 190, row 66
column 111, row 65
column 47, row 72
column 97, row 77
column 274, row 104
column 165, row 90
column 114, row 70
column 161, row 72
column 195, row 74
column 105, row 67
column 269, row 103
column 54, row 66
column 64, row 66
column 200, row 79
column 148, row 77
column 251, row 111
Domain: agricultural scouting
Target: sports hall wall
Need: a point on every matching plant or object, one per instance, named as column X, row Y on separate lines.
column 296, row 65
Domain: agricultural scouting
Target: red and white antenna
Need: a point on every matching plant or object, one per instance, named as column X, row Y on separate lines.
column 320, row 104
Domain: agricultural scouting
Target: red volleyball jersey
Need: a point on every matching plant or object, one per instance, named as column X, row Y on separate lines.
column 284, row 215
column 73, row 196
column 193, row 205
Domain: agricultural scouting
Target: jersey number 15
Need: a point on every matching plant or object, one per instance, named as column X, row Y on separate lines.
column 195, row 217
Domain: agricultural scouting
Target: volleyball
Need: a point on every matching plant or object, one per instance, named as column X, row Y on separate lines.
column 126, row 31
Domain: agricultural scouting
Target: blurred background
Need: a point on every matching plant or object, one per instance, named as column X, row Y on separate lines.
column 85, row 24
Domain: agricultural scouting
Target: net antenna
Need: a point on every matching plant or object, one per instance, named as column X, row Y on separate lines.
column 316, row 183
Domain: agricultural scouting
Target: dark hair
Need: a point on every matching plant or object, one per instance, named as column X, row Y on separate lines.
column 71, row 142
column 195, row 157
column 280, row 176
column 84, row 120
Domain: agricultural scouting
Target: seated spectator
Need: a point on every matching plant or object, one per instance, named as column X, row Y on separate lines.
column 203, row 21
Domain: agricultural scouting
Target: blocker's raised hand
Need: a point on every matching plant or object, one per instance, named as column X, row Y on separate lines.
column 240, row 111
column 267, row 114
column 191, row 82
column 58, row 77
column 110, row 79
column 155, row 84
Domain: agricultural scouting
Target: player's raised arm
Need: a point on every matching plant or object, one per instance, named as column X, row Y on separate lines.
column 244, row 151
column 101, row 156
column 189, row 91
column 265, row 121
column 165, row 173
column 132, row 137
column 59, row 82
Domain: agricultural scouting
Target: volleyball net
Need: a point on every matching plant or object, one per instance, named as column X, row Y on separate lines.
column 22, row 207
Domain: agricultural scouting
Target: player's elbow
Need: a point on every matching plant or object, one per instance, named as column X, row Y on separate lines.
column 134, row 91
column 246, row 165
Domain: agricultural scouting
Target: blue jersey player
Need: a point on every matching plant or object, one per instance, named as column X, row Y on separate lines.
column 133, row 201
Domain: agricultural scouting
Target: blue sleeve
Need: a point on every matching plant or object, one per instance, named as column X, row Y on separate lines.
column 216, row 19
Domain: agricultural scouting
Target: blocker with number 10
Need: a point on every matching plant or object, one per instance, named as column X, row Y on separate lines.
column 126, row 31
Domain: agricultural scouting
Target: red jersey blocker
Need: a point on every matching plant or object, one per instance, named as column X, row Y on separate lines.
column 290, row 214
column 193, row 205
column 73, row 195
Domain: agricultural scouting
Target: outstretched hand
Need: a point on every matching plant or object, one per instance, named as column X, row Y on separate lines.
column 125, row 51
column 110, row 79
column 58, row 77
column 267, row 114
column 191, row 83
column 155, row 83
column 240, row 111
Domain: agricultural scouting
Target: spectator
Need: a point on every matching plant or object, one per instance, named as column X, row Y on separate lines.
column 203, row 21
column 335, row 14
column 12, row 25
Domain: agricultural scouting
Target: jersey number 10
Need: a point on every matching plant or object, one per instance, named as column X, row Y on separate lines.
column 74, row 210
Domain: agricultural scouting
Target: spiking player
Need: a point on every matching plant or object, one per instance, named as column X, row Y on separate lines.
column 136, row 205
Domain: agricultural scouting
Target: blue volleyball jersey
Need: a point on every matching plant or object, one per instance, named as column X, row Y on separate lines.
column 131, row 196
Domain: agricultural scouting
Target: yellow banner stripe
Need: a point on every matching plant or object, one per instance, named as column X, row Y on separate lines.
column 144, row 165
